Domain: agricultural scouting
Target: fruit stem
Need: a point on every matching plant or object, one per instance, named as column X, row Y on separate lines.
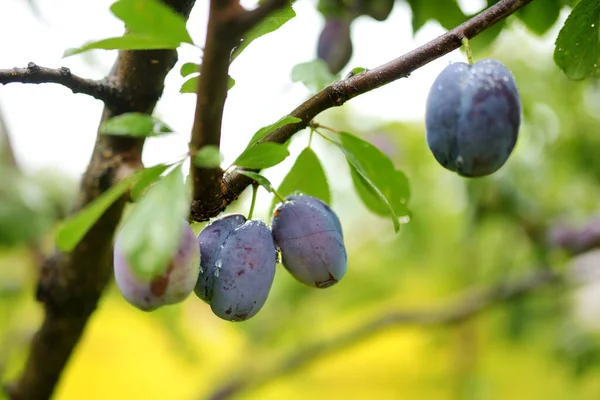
column 312, row 131
column 278, row 195
column 253, row 203
column 465, row 43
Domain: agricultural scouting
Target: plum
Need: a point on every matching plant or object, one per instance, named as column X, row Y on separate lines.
column 211, row 240
column 243, row 271
column 335, row 44
column 319, row 203
column 310, row 238
column 172, row 286
column 472, row 117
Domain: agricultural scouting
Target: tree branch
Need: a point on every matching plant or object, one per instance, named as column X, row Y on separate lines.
column 335, row 95
column 71, row 284
column 99, row 89
column 227, row 22
column 469, row 305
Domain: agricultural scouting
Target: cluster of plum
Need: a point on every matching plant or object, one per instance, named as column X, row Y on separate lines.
column 231, row 264
column 472, row 117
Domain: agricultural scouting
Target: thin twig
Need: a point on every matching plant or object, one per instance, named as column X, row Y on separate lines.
column 33, row 73
column 340, row 92
column 469, row 305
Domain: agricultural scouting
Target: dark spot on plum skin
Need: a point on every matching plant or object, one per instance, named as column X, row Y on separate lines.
column 241, row 272
column 326, row 283
column 159, row 284
column 228, row 311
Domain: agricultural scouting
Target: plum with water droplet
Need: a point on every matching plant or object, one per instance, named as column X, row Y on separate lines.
column 310, row 238
column 238, row 266
column 211, row 239
column 172, row 286
column 472, row 118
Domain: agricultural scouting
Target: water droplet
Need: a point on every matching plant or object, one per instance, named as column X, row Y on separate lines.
column 593, row 25
column 505, row 78
column 439, row 87
column 201, row 270
column 404, row 220
column 219, row 263
column 216, row 272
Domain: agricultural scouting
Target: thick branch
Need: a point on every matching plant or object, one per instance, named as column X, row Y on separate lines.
column 340, row 92
column 468, row 306
column 71, row 284
column 98, row 89
column 227, row 22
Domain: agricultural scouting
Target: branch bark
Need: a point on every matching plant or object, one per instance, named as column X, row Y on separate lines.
column 335, row 95
column 70, row 285
column 227, row 23
column 99, row 89
column 469, row 305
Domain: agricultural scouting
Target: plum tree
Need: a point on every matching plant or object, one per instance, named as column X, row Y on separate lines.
column 472, row 119
column 169, row 287
column 239, row 267
column 310, row 238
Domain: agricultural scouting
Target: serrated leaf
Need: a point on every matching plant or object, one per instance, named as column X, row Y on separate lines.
column 151, row 26
column 577, row 49
column 262, row 155
column 380, row 186
column 270, row 24
column 306, row 176
column 153, row 19
column 314, row 75
column 135, row 125
column 126, row 42
column 151, row 234
column 73, row 229
column 208, row 156
column 189, row 69
column 266, row 130
column 191, row 85
column 260, row 179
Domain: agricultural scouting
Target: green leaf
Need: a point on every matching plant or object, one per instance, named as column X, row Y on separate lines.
column 151, row 25
column 189, row 69
column 540, row 16
column 135, row 125
column 208, row 156
column 382, row 188
column 266, row 130
column 126, row 42
column 314, row 75
column 151, row 234
column 191, row 85
column 262, row 155
column 577, row 50
column 146, row 178
column 153, row 19
column 261, row 180
column 270, row 24
column 306, row 176
column 73, row 229
column 446, row 12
